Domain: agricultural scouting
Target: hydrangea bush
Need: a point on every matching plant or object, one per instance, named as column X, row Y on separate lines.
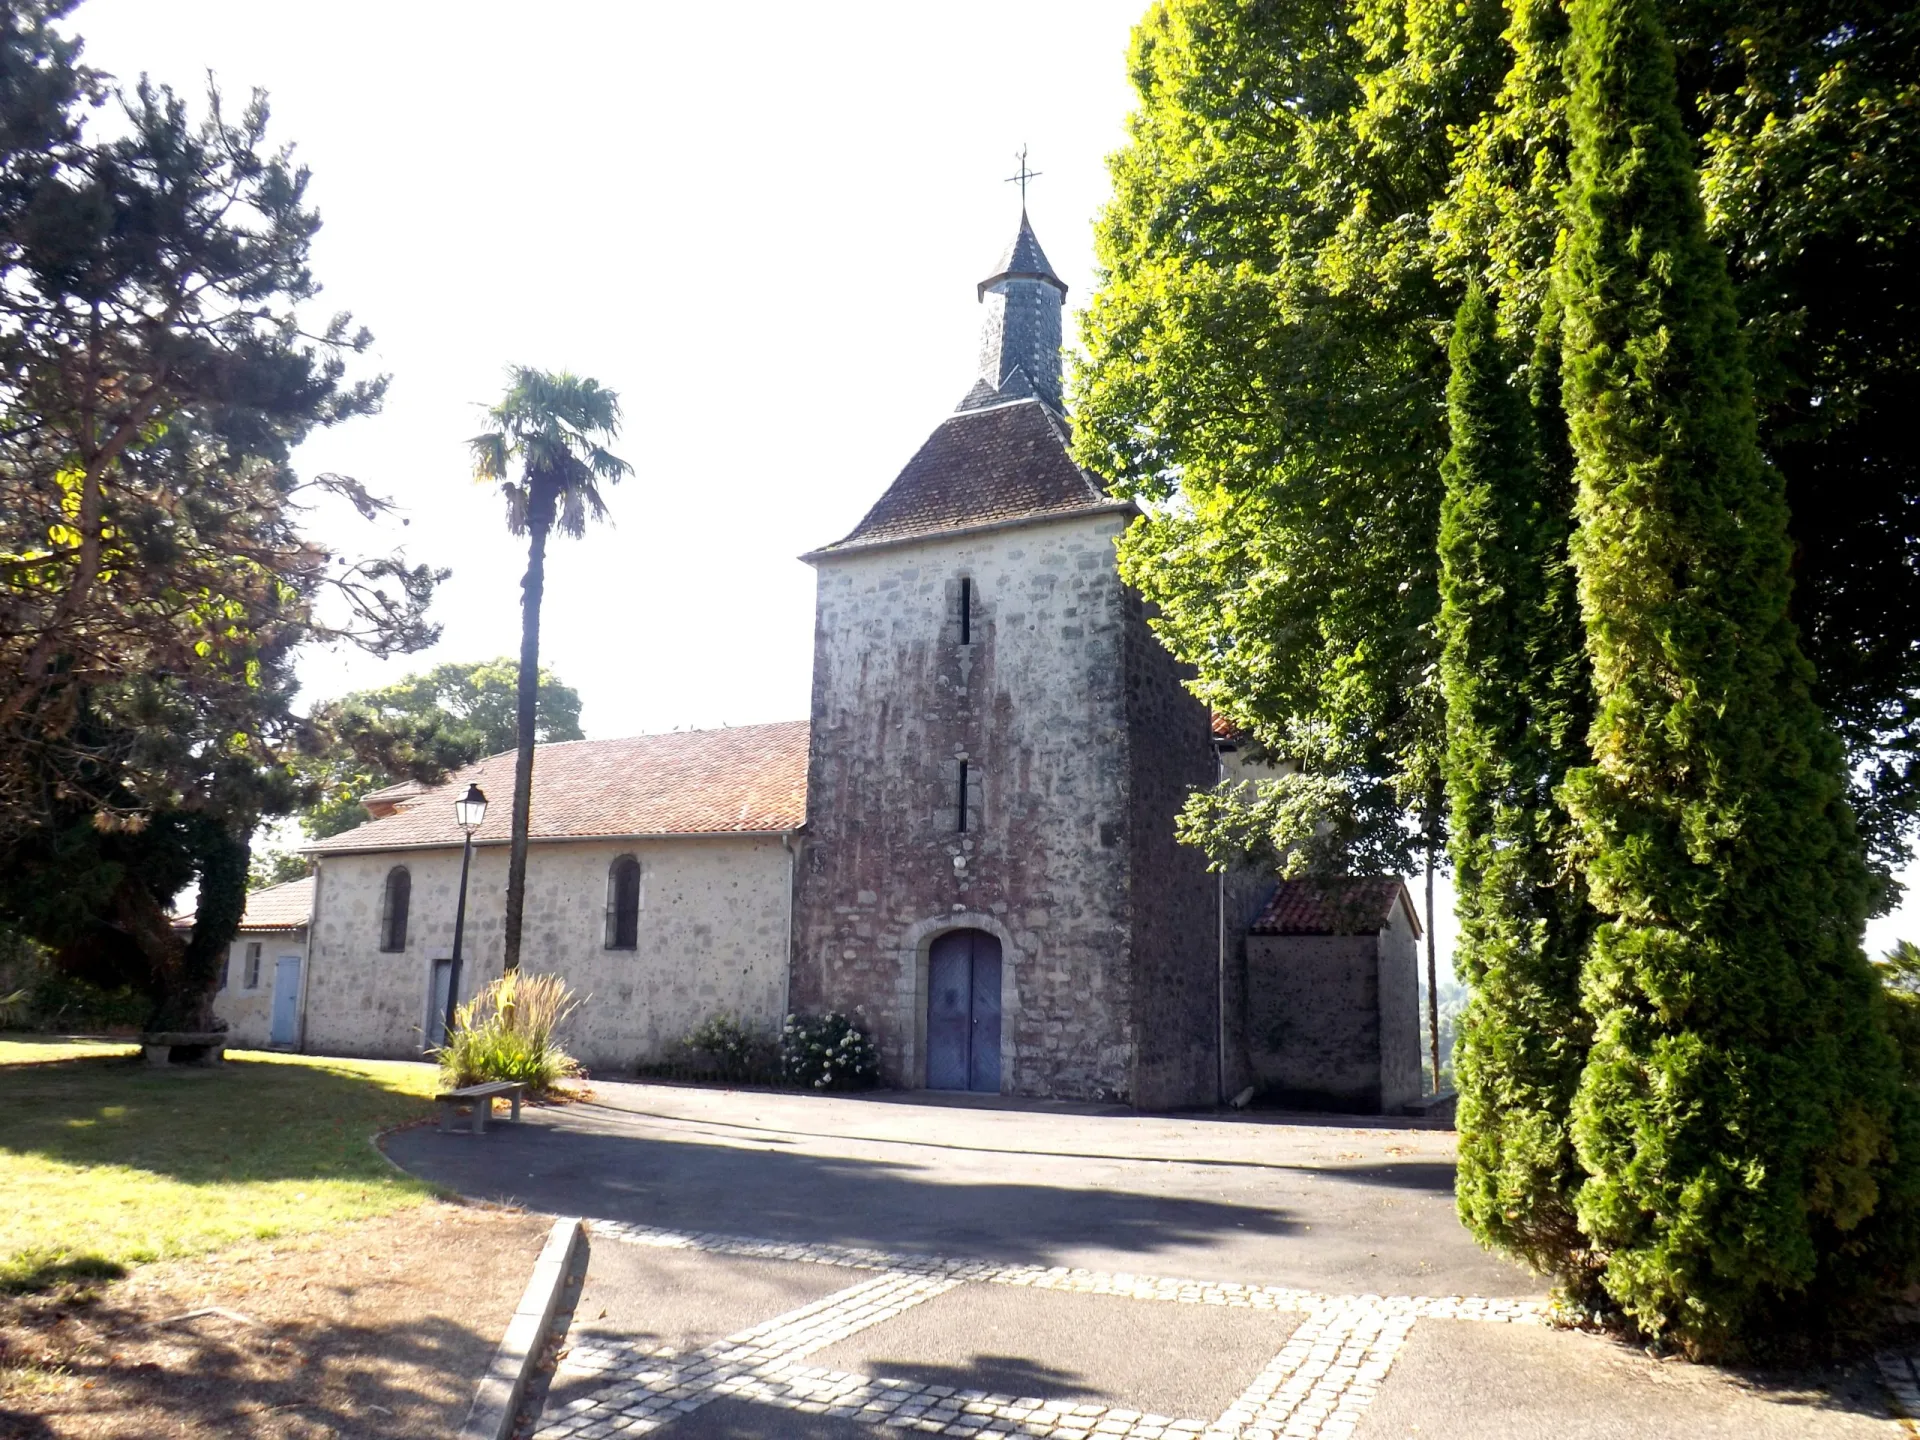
column 828, row 1052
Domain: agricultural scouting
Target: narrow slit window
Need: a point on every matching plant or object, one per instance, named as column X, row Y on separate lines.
column 966, row 620
column 962, row 826
column 253, row 965
column 623, row 904
column 393, row 926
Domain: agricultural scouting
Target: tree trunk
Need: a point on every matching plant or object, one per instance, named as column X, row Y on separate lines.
column 1433, row 981
column 189, row 974
column 532, row 587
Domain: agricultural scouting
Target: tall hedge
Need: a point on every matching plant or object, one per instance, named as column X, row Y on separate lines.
column 1517, row 692
column 1748, row 1145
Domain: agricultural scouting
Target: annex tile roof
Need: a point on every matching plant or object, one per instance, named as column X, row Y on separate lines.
column 751, row 779
column 1336, row 906
column 287, row 906
column 982, row 467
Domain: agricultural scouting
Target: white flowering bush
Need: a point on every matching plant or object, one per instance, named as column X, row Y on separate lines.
column 828, row 1052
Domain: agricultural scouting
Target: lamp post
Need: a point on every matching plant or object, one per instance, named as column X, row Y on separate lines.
column 468, row 811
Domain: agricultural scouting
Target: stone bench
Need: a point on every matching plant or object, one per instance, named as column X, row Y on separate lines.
column 480, row 1099
column 184, row 1047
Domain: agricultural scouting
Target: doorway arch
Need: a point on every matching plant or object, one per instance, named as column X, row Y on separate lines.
column 963, row 1012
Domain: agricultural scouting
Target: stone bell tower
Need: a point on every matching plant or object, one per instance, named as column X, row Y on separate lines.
column 999, row 746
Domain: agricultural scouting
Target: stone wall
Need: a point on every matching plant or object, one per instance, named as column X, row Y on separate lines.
column 713, row 937
column 1173, row 902
column 1313, row 1020
column 1035, row 705
column 1401, row 1069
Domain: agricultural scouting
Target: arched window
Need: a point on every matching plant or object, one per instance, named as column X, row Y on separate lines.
column 623, row 904
column 393, row 914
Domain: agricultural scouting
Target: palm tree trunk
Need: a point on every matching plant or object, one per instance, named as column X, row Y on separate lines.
column 532, row 587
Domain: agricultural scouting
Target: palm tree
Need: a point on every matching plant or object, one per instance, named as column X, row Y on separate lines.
column 552, row 427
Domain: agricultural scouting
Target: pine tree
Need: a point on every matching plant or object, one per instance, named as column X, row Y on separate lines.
column 1741, row 1120
column 1516, row 687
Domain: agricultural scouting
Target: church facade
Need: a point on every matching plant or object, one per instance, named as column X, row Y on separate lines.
column 969, row 843
column 999, row 748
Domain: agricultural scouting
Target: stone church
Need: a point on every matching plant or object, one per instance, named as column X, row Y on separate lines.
column 969, row 843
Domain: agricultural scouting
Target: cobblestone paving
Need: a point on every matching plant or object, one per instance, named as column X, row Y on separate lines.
column 1317, row 1387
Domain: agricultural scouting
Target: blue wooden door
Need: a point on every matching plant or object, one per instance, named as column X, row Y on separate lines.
column 286, row 1000
column 963, row 1012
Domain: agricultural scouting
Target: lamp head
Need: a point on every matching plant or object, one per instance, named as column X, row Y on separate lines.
column 470, row 809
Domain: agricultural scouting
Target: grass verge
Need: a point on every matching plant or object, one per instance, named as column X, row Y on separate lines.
column 107, row 1163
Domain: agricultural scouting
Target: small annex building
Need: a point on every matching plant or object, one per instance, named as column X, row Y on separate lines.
column 1333, row 996
column 259, row 994
column 969, row 843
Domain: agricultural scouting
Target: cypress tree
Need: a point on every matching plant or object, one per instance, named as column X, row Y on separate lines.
column 1516, row 686
column 1740, row 1118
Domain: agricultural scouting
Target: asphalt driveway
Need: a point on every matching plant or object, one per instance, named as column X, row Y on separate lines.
column 776, row 1265
column 1353, row 1208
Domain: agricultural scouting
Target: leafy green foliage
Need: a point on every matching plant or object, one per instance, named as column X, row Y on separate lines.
column 420, row 728
column 1749, row 1147
column 276, row 867
column 727, row 1049
column 508, row 1032
column 1307, row 190
column 159, row 362
column 1514, row 674
column 828, row 1052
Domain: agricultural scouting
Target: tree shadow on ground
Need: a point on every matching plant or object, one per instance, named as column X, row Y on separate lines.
column 118, row 1371
column 793, row 1196
column 245, row 1120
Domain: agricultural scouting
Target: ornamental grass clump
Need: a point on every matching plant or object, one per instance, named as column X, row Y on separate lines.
column 506, row 1032
column 1750, row 1150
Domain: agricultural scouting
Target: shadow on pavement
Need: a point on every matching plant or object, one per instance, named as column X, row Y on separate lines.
column 778, row 1194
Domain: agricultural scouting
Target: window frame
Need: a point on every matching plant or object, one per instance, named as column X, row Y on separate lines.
column 616, row 936
column 401, row 874
column 251, row 975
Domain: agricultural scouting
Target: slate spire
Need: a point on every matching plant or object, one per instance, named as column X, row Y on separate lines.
column 1020, row 339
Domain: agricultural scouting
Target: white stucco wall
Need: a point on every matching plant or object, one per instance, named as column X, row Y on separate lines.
column 249, row 1012
column 712, row 937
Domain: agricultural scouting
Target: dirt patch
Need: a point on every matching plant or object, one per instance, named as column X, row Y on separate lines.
column 377, row 1329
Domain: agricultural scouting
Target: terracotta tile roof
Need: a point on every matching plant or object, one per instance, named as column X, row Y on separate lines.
column 287, row 906
column 1223, row 728
column 982, row 467
column 280, row 907
column 747, row 780
column 1340, row 906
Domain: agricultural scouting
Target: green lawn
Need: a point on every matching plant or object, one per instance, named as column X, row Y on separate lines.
column 106, row 1163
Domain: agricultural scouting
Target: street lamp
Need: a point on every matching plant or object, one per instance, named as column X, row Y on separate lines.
column 468, row 812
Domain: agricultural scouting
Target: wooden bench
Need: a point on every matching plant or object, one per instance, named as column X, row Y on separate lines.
column 480, row 1099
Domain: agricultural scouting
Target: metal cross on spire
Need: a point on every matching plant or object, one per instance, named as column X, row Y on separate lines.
column 1022, row 178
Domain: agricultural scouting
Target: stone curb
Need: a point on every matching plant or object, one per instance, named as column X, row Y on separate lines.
column 497, row 1401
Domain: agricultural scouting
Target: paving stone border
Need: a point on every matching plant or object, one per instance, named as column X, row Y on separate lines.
column 496, row 1401
column 1317, row 1387
column 1079, row 1281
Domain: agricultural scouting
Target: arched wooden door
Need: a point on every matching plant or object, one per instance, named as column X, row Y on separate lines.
column 963, row 1012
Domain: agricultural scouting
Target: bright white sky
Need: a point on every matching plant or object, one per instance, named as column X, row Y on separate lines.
column 759, row 223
